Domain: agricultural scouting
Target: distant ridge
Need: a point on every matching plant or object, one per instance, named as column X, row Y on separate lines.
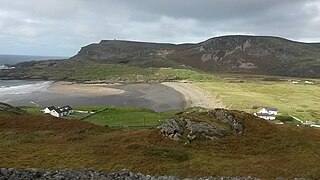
column 265, row 55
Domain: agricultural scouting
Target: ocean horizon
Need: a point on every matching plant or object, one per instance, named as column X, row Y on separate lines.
column 13, row 59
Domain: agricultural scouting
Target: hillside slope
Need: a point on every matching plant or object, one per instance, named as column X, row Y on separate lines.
column 241, row 54
column 233, row 54
column 253, row 54
column 142, row 54
column 262, row 150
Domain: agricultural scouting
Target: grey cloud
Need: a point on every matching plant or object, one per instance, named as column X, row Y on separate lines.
column 56, row 27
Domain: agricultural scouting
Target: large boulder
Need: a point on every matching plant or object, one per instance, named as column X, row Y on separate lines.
column 226, row 116
column 185, row 129
column 172, row 129
column 204, row 130
column 200, row 123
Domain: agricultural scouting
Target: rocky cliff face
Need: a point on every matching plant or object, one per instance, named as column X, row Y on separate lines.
column 242, row 54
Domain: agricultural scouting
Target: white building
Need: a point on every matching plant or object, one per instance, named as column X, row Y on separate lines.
column 48, row 110
column 267, row 113
column 58, row 112
column 308, row 82
column 269, row 110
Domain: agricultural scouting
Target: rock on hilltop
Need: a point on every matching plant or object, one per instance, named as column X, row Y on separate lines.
column 200, row 123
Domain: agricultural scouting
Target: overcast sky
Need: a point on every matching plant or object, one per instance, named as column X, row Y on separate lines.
column 61, row 27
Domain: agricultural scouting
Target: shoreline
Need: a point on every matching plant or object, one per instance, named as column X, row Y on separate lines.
column 80, row 88
column 194, row 96
column 156, row 96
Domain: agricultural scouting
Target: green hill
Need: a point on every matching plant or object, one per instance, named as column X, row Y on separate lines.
column 236, row 54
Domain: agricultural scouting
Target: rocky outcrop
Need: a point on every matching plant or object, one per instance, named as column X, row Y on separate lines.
column 215, row 124
column 172, row 128
column 227, row 117
column 10, row 173
column 190, row 130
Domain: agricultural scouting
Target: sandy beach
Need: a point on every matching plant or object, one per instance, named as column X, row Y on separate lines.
column 195, row 96
column 156, row 96
column 192, row 95
column 90, row 89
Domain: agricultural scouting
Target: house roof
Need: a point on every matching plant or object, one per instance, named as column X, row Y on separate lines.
column 61, row 109
column 67, row 108
column 271, row 109
column 51, row 108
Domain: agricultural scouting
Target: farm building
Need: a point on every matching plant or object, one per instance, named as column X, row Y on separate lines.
column 267, row 113
column 48, row 110
column 58, row 111
column 308, row 82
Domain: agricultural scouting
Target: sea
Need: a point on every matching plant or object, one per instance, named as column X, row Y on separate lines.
column 6, row 59
column 22, row 86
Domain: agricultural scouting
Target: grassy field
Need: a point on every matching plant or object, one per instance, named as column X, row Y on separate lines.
column 122, row 116
column 90, row 71
column 264, row 150
column 32, row 110
column 248, row 93
column 116, row 73
column 128, row 116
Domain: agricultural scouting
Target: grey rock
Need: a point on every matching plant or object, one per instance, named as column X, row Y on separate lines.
column 225, row 116
column 172, row 129
column 124, row 174
column 193, row 130
column 205, row 130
